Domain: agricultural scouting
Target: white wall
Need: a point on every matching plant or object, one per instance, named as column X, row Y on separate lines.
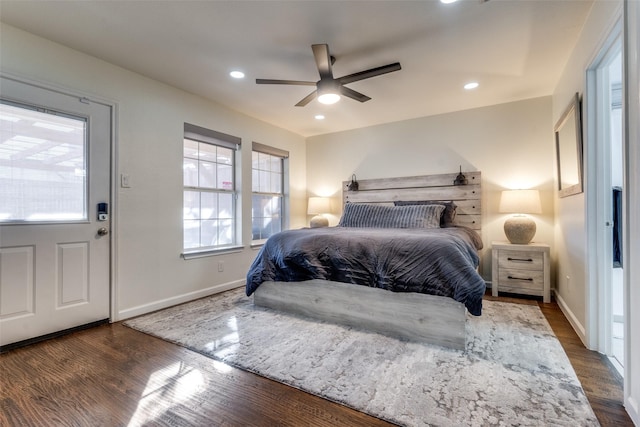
column 570, row 226
column 149, row 272
column 511, row 144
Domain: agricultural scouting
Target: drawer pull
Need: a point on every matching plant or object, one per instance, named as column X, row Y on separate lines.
column 520, row 259
column 520, row 278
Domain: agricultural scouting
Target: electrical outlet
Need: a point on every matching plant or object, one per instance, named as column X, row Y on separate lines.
column 220, row 266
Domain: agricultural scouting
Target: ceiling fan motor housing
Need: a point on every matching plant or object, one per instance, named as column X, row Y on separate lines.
column 328, row 91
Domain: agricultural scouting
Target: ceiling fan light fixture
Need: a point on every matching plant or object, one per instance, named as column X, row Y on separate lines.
column 328, row 98
column 328, row 92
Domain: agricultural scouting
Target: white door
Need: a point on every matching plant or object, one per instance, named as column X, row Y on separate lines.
column 605, row 154
column 54, row 245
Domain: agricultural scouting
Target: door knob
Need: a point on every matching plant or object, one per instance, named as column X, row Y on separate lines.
column 102, row 231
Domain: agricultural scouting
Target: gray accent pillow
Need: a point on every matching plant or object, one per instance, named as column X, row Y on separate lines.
column 448, row 215
column 382, row 216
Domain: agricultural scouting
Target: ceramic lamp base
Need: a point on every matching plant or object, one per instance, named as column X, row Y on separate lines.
column 319, row 221
column 520, row 229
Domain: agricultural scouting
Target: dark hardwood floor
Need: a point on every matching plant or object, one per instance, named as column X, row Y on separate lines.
column 114, row 376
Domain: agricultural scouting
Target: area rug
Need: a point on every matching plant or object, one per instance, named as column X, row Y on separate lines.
column 513, row 371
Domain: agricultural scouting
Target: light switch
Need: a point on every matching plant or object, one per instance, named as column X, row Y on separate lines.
column 124, row 180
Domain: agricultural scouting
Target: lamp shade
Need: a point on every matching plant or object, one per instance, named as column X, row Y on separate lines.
column 520, row 229
column 520, row 201
column 318, row 205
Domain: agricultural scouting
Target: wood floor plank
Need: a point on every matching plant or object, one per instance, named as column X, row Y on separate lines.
column 112, row 375
column 115, row 376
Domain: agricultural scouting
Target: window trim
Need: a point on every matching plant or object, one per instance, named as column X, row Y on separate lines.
column 261, row 148
column 284, row 194
column 200, row 134
column 208, row 136
column 202, row 253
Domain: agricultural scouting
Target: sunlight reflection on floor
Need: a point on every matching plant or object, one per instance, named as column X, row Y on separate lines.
column 165, row 388
column 178, row 382
column 229, row 343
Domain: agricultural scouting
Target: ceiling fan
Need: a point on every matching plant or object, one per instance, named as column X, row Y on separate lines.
column 328, row 88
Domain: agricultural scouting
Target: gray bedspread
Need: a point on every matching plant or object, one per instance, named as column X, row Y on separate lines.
column 439, row 261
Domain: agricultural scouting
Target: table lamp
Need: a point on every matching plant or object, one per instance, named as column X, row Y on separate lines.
column 318, row 206
column 520, row 228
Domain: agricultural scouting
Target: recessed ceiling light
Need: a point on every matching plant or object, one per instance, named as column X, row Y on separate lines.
column 237, row 74
column 448, row 1
column 471, row 85
column 319, row 117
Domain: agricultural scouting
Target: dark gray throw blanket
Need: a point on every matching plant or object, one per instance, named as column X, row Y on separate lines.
column 439, row 261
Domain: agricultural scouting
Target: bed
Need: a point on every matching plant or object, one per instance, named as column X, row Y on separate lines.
column 370, row 271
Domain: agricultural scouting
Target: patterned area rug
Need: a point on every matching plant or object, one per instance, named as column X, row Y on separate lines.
column 513, row 371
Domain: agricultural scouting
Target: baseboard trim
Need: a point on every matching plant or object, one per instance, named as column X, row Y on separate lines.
column 178, row 299
column 573, row 320
column 631, row 407
column 616, row 367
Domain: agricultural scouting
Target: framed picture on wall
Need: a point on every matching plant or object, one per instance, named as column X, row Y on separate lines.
column 568, row 134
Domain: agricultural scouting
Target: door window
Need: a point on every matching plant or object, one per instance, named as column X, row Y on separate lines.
column 42, row 165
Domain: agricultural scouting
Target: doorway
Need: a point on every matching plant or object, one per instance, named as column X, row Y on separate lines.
column 55, row 175
column 614, row 84
column 606, row 156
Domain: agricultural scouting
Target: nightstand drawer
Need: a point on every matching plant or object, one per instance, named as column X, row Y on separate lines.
column 521, row 260
column 521, row 279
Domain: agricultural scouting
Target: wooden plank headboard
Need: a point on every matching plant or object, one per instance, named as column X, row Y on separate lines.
column 427, row 187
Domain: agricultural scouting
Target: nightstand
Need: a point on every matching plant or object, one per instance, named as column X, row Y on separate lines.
column 521, row 269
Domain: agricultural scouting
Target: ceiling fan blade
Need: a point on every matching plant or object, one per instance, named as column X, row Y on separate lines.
column 284, row 82
column 323, row 60
column 350, row 93
column 367, row 74
column 307, row 99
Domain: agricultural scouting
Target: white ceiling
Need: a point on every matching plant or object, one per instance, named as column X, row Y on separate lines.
column 515, row 49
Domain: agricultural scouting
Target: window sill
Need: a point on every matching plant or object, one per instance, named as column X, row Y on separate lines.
column 211, row 252
column 256, row 244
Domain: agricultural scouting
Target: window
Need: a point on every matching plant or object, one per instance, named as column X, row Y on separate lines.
column 209, row 203
column 267, row 186
column 42, row 165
